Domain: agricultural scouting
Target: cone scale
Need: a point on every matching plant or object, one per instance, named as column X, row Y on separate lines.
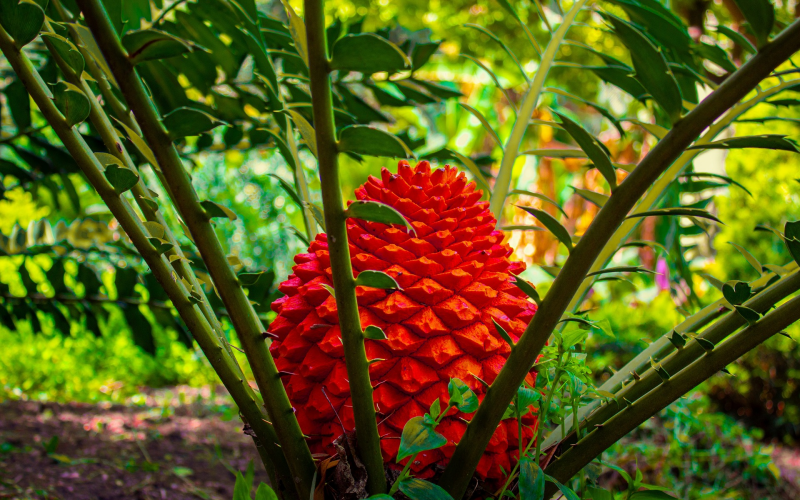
column 455, row 278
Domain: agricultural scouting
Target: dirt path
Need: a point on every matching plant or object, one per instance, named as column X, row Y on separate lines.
column 104, row 452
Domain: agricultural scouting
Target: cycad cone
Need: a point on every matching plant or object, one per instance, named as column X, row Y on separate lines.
column 455, row 277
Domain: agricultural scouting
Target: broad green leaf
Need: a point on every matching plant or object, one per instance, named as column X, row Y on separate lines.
column 556, row 153
column 531, row 480
column 418, row 436
column 214, row 209
column 119, row 176
column 682, row 212
column 539, row 196
column 375, row 333
column 649, row 495
column 760, row 14
column 72, row 103
column 375, row 211
column 367, row 53
column 503, row 333
column 368, row 141
column 651, row 68
column 483, row 121
column 149, row 44
column 461, row 396
column 592, row 147
column 67, row 51
column 376, row 279
column 419, row 489
column 185, row 121
column 622, row 269
column 529, row 289
column 736, row 292
column 552, row 225
column 22, row 20
column 769, row 141
column 264, row 492
column 591, row 196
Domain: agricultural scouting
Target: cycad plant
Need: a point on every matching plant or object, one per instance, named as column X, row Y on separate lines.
column 407, row 356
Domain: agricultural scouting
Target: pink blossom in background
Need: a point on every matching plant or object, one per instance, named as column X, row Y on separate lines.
column 662, row 278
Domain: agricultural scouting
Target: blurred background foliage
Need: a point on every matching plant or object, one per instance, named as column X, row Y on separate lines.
column 715, row 443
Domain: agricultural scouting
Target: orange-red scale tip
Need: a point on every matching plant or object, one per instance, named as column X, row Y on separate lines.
column 456, row 277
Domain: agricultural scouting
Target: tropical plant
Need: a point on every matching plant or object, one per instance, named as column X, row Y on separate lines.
column 405, row 334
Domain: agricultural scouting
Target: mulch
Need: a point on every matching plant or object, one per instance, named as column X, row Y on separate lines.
column 104, row 452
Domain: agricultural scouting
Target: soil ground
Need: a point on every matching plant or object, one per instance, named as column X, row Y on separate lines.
column 104, row 452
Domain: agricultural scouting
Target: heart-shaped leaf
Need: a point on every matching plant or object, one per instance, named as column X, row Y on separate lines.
column 364, row 140
column 376, row 279
column 214, row 209
column 377, row 212
column 22, row 20
column 736, row 292
column 149, row 44
column 119, row 176
column 184, row 122
column 418, row 436
column 72, row 103
column 67, row 51
column 552, row 225
column 367, row 53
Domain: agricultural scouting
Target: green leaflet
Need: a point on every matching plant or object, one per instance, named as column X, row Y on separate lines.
column 376, row 279
column 651, row 67
column 552, row 225
column 767, row 141
column 376, row 212
column 592, row 147
column 369, row 141
column 150, row 44
column 367, row 53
